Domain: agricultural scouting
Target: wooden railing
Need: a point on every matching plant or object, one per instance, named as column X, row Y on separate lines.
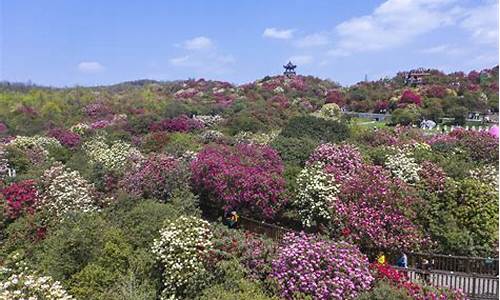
column 475, row 286
column 270, row 230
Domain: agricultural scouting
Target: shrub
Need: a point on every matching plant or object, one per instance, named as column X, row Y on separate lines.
column 113, row 157
column 65, row 137
column 178, row 124
column 404, row 116
column 330, row 111
column 293, row 150
column 181, row 251
column 316, row 129
column 322, row 269
column 20, row 198
column 64, row 191
column 385, row 291
column 409, row 97
column 342, row 160
column 244, row 177
column 403, row 166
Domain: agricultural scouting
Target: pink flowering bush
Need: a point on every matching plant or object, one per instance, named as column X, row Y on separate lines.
column 244, row 177
column 97, row 109
column 335, row 96
column 150, row 177
column 65, row 137
column 480, row 145
column 343, row 160
column 20, row 197
column 376, row 210
column 179, row 124
column 409, row 97
column 432, row 177
column 322, row 269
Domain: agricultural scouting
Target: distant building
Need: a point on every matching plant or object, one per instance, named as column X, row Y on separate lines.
column 289, row 69
column 417, row 76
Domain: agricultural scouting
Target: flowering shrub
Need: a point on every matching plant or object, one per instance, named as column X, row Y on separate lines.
column 376, row 211
column 181, row 250
column 432, row 177
column 322, row 269
column 20, row 197
column 403, row 166
column 113, row 157
column 210, row 136
column 97, row 109
column 316, row 193
column 409, row 97
column 330, row 111
column 335, row 96
column 66, row 138
column 480, row 145
column 260, row 138
column 209, row 121
column 179, row 124
column 242, row 177
column 150, row 177
column 487, row 174
column 18, row 282
column 343, row 160
column 80, row 128
column 37, row 141
column 64, row 191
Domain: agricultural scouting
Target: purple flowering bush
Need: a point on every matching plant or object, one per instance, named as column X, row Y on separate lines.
column 67, row 138
column 322, row 269
column 243, row 177
column 178, row 124
column 342, row 160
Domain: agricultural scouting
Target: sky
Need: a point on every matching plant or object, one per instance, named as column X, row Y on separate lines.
column 67, row 43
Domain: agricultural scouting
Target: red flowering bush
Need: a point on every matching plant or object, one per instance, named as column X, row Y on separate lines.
column 150, row 178
column 65, row 137
column 323, row 269
column 381, row 106
column 20, row 197
column 178, row 124
column 335, row 96
column 409, row 97
column 244, row 177
column 432, row 177
column 341, row 160
column 435, row 91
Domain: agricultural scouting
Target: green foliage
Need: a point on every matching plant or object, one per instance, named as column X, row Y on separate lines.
column 404, row 116
column 384, row 291
column 294, row 150
column 316, row 129
column 179, row 143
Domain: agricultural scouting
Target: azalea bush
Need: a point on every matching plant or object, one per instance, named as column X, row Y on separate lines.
column 64, row 191
column 20, row 198
column 342, row 160
column 403, row 166
column 181, row 250
column 243, row 177
column 19, row 282
column 113, row 157
column 150, row 178
column 321, row 269
column 178, row 124
column 316, row 193
column 67, row 138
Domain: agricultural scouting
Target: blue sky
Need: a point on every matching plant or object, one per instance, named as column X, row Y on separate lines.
column 64, row 43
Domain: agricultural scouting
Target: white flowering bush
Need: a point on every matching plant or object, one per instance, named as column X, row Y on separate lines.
column 209, row 121
column 260, row 138
column 403, row 166
column 112, row 157
column 37, row 141
column 210, row 136
column 80, row 128
column 181, row 248
column 329, row 111
column 487, row 174
column 65, row 191
column 316, row 192
column 17, row 282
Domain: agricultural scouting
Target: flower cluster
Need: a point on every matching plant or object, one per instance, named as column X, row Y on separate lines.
column 96, row 109
column 150, row 177
column 80, row 128
column 322, row 269
column 65, row 191
column 18, row 282
column 260, row 138
column 335, row 96
column 210, row 136
column 341, row 160
column 487, row 174
column 403, row 166
column 330, row 111
column 409, row 97
column 179, row 124
column 65, row 137
column 20, row 197
column 37, row 141
column 432, row 177
column 181, row 249
column 316, row 193
column 376, row 211
column 209, row 121
column 113, row 157
column 480, row 145
column 242, row 177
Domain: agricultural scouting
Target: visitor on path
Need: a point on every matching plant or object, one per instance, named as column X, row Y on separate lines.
column 233, row 219
column 402, row 261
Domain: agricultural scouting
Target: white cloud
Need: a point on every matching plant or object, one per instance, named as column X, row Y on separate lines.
column 394, row 23
column 301, row 59
column 198, row 43
column 338, row 52
column 313, row 40
column 274, row 33
column 90, row 67
column 482, row 22
column 179, row 61
column 443, row 49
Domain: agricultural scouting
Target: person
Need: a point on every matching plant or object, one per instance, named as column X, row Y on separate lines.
column 233, row 219
column 381, row 259
column 403, row 261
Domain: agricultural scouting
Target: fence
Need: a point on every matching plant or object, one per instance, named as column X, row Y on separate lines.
column 476, row 287
column 270, row 230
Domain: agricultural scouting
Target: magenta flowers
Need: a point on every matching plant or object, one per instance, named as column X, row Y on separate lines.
column 179, row 124
column 20, row 197
column 323, row 269
column 244, row 177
